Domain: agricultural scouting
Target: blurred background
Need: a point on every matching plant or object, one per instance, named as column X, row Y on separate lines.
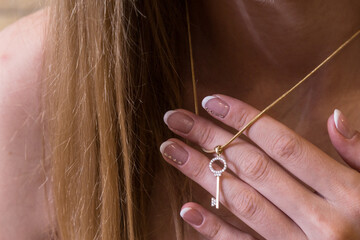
column 12, row 10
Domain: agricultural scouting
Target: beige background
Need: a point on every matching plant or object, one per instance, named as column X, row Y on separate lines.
column 11, row 10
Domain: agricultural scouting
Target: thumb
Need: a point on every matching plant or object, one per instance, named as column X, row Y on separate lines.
column 345, row 139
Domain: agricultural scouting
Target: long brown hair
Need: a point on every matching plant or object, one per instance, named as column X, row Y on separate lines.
column 111, row 73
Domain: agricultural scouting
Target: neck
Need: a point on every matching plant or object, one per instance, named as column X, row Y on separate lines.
column 272, row 39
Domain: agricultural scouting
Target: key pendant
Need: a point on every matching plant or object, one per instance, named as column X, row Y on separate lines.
column 217, row 173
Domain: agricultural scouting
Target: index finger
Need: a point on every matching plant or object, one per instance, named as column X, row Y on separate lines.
column 294, row 153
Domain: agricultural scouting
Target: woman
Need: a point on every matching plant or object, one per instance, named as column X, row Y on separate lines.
column 107, row 64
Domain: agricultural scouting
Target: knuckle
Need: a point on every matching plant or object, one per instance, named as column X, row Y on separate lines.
column 335, row 232
column 356, row 199
column 240, row 118
column 206, row 136
column 339, row 229
column 287, row 146
column 246, row 204
column 351, row 189
column 256, row 166
column 199, row 171
column 214, row 231
column 248, row 237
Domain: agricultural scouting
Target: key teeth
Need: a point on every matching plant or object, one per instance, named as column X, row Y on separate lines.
column 213, row 202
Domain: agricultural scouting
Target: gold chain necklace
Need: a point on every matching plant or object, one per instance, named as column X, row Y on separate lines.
column 220, row 148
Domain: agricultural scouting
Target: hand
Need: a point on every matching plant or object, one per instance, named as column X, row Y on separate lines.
column 257, row 190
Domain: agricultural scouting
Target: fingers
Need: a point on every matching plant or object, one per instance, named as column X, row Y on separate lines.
column 294, row 153
column 241, row 199
column 345, row 140
column 251, row 165
column 209, row 225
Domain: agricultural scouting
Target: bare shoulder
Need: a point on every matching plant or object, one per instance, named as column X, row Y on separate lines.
column 21, row 43
column 23, row 214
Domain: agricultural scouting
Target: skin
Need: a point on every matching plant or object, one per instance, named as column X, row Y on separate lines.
column 281, row 43
column 284, row 187
column 23, row 208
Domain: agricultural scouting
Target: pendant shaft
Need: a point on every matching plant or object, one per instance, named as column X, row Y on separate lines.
column 217, row 191
column 215, row 201
column 217, row 174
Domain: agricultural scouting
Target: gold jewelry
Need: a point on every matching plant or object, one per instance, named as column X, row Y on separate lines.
column 191, row 59
column 220, row 148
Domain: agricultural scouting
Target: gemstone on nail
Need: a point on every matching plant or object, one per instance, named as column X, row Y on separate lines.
column 174, row 152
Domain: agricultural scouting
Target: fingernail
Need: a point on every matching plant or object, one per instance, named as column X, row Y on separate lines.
column 215, row 106
column 174, row 152
column 178, row 121
column 342, row 125
column 192, row 216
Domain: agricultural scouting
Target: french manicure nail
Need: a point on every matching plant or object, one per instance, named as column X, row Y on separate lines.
column 215, row 106
column 174, row 152
column 192, row 216
column 342, row 125
column 178, row 121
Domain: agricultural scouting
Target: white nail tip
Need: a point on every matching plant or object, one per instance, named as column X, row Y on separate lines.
column 164, row 145
column 167, row 115
column 336, row 117
column 184, row 210
column 205, row 100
